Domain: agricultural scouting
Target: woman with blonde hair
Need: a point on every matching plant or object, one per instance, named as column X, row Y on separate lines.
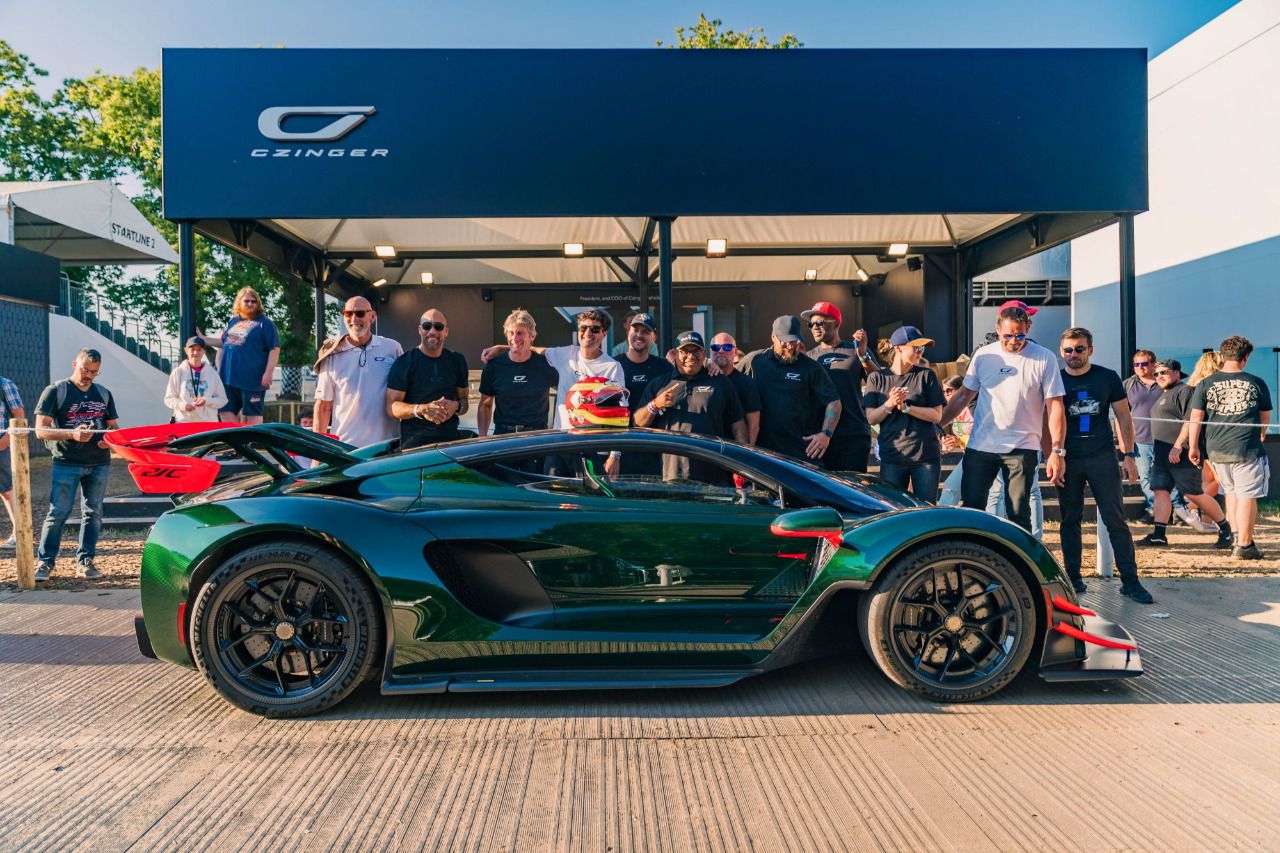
column 1208, row 365
column 249, row 348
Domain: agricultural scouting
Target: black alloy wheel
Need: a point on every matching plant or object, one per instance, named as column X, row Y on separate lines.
column 285, row 631
column 951, row 621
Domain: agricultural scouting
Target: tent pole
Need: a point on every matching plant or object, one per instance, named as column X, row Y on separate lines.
column 665, row 337
column 1128, row 295
column 186, row 281
column 321, row 333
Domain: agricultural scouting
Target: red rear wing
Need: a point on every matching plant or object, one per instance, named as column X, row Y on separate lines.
column 159, row 473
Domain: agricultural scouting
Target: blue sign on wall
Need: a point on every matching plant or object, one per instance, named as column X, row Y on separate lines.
column 274, row 133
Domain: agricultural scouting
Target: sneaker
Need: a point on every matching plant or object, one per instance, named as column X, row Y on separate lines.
column 1146, row 517
column 86, row 569
column 1079, row 586
column 1247, row 552
column 1225, row 540
column 1191, row 517
column 1151, row 539
column 1136, row 591
column 43, row 571
column 9, row 544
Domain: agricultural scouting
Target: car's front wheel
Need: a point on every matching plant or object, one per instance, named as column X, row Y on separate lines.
column 953, row 621
column 285, row 630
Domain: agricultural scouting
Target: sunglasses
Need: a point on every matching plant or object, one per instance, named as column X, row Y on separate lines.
column 1141, row 364
column 358, row 313
column 1069, row 350
column 722, row 348
column 594, row 330
column 1163, row 372
column 917, row 350
column 1022, row 337
column 428, row 326
column 814, row 324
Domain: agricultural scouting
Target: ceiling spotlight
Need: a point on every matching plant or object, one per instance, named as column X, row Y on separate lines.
column 380, row 282
column 898, row 249
column 810, row 275
column 428, row 278
column 717, row 247
column 385, row 251
column 914, row 263
column 574, row 250
column 862, row 274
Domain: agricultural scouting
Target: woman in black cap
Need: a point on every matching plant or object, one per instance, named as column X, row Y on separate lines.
column 195, row 391
column 905, row 400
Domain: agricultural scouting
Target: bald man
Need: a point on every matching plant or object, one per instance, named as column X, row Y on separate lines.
column 427, row 389
column 722, row 351
column 351, row 379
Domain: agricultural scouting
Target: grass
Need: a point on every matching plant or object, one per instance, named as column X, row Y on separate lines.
column 1269, row 509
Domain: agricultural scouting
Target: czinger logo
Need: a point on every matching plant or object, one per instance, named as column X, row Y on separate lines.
column 271, row 122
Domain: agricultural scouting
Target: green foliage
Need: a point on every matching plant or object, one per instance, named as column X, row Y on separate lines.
column 707, row 34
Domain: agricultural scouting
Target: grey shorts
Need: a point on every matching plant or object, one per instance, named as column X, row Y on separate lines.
column 1244, row 479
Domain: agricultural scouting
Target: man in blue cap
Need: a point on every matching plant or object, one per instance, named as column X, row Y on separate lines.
column 795, row 392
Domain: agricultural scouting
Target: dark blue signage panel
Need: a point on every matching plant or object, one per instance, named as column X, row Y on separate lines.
column 276, row 133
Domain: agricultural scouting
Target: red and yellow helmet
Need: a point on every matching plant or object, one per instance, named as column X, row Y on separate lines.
column 597, row 401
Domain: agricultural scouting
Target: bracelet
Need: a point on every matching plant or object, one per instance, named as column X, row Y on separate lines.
column 416, row 413
column 654, row 410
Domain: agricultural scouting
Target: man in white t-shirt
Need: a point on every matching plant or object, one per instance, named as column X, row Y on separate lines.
column 351, row 380
column 1016, row 382
column 575, row 363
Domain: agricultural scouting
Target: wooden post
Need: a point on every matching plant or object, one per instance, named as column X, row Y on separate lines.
column 20, row 458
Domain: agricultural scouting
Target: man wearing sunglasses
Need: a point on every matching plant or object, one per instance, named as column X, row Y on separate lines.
column 847, row 364
column 1092, row 394
column 427, row 387
column 1016, row 382
column 1143, row 391
column 351, row 379
column 724, row 349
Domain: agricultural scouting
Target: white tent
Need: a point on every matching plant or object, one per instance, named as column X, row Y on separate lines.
column 79, row 223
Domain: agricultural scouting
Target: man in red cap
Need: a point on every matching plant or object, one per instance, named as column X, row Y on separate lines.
column 1018, row 303
column 847, row 364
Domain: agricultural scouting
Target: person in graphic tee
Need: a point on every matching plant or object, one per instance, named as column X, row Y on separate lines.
column 1232, row 409
column 70, row 417
column 906, row 401
column 248, row 349
column 195, row 391
column 427, row 387
column 515, row 385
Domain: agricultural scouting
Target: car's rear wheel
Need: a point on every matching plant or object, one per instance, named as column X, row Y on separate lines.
column 285, row 631
column 953, row 621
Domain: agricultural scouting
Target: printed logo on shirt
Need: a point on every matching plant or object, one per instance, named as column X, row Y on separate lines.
column 1008, row 371
column 639, row 377
column 239, row 333
column 85, row 413
column 794, row 377
column 518, row 380
column 703, row 389
column 1085, row 406
column 1231, row 397
column 382, row 358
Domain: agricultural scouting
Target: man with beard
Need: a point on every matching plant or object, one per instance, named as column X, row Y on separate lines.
column 696, row 402
column 847, row 363
column 1090, row 391
column 641, row 367
column 794, row 392
column 351, row 379
column 724, row 351
column 1015, row 381
column 427, row 387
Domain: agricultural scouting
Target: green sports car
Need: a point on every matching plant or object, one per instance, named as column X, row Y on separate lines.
column 463, row 567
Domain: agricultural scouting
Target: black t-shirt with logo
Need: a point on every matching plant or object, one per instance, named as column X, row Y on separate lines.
column 1173, row 405
column 638, row 375
column 904, row 439
column 424, row 380
column 1088, row 400
column 91, row 409
column 792, row 398
column 520, row 390
column 846, row 372
column 748, row 394
column 1232, row 398
column 707, row 406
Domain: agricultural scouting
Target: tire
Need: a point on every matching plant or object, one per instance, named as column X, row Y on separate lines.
column 285, row 630
column 953, row 621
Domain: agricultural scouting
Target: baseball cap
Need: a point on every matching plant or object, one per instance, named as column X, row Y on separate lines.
column 687, row 339
column 197, row 340
column 787, row 328
column 1018, row 303
column 1170, row 364
column 909, row 335
column 826, row 309
column 644, row 318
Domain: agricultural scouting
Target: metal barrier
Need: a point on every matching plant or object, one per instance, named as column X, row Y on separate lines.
column 140, row 336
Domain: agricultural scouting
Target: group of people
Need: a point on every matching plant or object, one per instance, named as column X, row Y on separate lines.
column 816, row 401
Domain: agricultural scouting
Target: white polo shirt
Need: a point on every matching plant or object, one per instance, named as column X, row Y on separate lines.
column 355, row 380
column 1012, row 388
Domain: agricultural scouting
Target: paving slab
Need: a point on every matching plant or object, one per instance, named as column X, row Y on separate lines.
column 101, row 749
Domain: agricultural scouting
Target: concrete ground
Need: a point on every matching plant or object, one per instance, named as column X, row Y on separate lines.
column 103, row 749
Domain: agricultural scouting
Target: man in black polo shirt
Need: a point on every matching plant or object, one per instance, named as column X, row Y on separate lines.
column 1092, row 392
column 427, row 387
column 847, row 363
column 693, row 402
column 794, row 392
column 723, row 350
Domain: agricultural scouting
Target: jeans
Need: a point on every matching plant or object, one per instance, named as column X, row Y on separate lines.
column 92, row 482
column 1146, row 457
column 923, row 477
column 1102, row 474
column 1020, row 469
column 995, row 503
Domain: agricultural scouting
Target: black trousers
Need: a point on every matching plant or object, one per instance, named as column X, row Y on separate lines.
column 1102, row 474
column 980, row 470
column 847, row 453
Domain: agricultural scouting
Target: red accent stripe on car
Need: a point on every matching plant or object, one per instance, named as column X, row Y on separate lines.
column 1072, row 631
column 182, row 623
column 1060, row 603
column 797, row 556
column 835, row 537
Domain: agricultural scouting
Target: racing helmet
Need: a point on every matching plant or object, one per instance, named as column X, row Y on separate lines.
column 597, row 401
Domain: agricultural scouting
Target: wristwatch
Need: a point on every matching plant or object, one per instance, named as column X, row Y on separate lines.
column 1059, row 451
column 904, row 407
column 827, row 433
column 1132, row 454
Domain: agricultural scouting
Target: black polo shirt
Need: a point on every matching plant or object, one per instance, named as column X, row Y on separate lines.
column 792, row 398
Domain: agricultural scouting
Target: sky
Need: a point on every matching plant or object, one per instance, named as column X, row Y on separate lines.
column 74, row 39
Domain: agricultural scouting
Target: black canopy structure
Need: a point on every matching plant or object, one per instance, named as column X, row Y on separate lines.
column 381, row 170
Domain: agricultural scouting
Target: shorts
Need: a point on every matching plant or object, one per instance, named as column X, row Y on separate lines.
column 1244, row 479
column 1184, row 478
column 245, row 401
column 6, row 476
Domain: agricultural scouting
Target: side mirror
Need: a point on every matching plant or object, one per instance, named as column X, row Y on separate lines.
column 817, row 523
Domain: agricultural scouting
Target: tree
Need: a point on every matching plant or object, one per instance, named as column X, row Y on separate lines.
column 707, row 34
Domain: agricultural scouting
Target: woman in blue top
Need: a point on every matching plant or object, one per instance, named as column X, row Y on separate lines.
column 248, row 349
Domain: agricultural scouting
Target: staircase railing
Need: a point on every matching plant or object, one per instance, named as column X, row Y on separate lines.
column 137, row 335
